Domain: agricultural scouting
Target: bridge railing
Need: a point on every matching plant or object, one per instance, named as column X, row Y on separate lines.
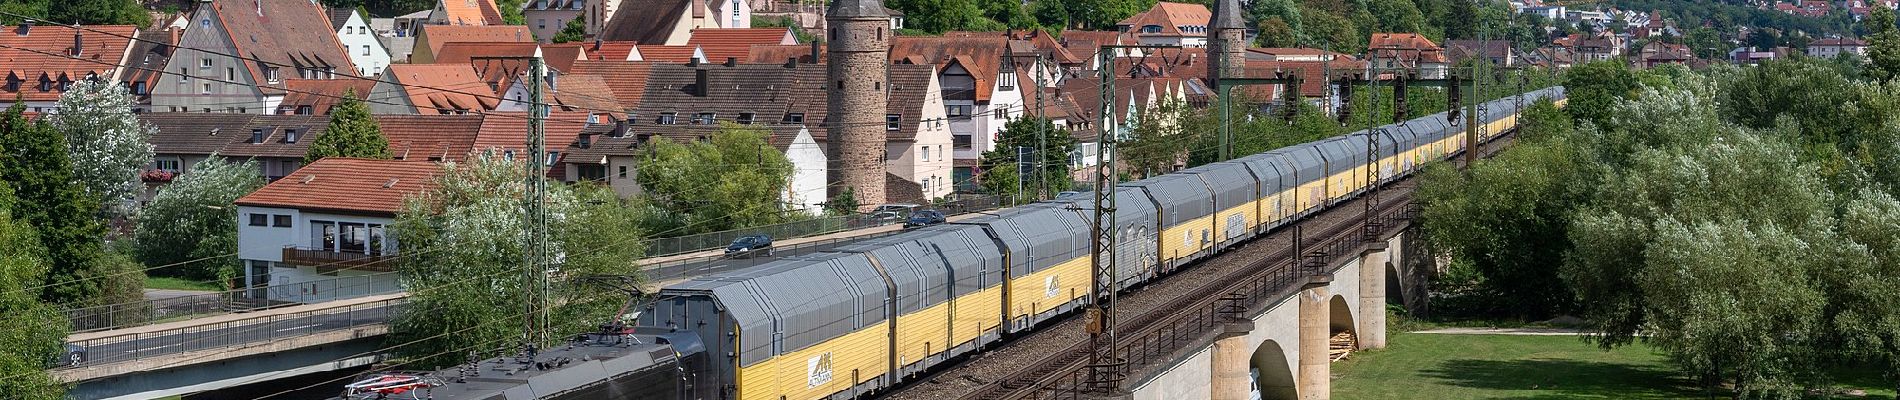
column 203, row 341
column 152, row 311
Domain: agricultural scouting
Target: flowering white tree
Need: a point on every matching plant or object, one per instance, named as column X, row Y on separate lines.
column 108, row 145
column 193, row 218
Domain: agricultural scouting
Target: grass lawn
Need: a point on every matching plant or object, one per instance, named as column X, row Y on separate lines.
column 1438, row 366
column 157, row 282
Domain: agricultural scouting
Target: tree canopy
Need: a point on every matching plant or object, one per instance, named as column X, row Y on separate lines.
column 732, row 179
column 30, row 331
column 1001, row 174
column 352, row 133
column 194, row 218
column 36, row 162
column 463, row 246
column 107, row 143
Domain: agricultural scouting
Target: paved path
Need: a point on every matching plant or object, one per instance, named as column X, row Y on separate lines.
column 1506, row 331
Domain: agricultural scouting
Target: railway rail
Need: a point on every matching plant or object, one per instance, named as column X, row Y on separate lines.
column 1050, row 363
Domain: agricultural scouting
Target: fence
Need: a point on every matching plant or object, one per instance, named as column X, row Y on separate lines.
column 151, row 311
column 263, row 329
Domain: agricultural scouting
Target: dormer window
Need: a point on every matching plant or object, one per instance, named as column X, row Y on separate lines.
column 270, row 74
column 891, row 121
column 257, row 135
column 290, row 135
column 703, row 119
column 745, row 118
column 795, row 118
column 667, row 118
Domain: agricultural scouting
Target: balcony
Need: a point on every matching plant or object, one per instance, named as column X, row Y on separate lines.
column 328, row 261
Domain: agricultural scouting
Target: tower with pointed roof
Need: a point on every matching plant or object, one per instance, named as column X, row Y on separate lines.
column 859, row 43
column 1227, row 47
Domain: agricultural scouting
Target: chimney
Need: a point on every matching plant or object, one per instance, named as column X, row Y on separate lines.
column 79, row 43
column 692, row 61
column 732, row 61
column 26, row 26
column 700, row 82
column 620, row 127
column 260, row 7
column 791, row 62
column 814, row 52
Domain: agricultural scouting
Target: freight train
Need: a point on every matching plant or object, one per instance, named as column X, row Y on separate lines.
column 871, row 313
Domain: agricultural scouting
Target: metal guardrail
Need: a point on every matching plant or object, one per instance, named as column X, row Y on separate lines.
column 147, row 312
column 170, row 343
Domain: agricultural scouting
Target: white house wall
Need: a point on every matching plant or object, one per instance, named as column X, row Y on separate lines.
column 807, row 188
column 365, row 50
column 267, row 243
column 205, row 36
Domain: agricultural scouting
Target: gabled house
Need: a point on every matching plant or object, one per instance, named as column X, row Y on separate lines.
column 716, row 45
column 432, row 138
column 331, row 219
column 547, row 18
column 40, row 62
column 431, row 89
column 430, row 40
column 981, row 90
column 626, row 82
column 1659, row 53
column 672, row 22
column 465, row 12
column 147, row 63
column 277, row 143
column 1177, row 24
column 365, row 50
column 1497, row 52
column 278, row 40
column 1408, row 51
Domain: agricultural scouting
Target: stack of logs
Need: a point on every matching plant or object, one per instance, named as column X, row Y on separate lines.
column 1341, row 346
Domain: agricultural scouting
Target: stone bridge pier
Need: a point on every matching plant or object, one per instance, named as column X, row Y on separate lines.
column 1279, row 348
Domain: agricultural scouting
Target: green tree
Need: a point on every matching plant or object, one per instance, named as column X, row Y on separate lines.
column 1158, row 141
column 575, row 31
column 938, row 16
column 1462, row 23
column 845, row 203
column 731, row 181
column 1594, row 88
column 352, row 133
column 30, row 331
column 1286, row 11
column 35, row 160
column 1050, row 14
column 193, row 218
column 1883, row 44
column 97, row 12
column 1103, row 14
column 462, row 241
column 1274, row 32
column 1000, row 174
column 1506, row 216
column 107, row 143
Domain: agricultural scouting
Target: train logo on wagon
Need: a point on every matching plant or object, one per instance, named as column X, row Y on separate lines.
column 818, row 370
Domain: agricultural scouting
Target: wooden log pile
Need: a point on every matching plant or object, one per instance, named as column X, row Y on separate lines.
column 1341, row 346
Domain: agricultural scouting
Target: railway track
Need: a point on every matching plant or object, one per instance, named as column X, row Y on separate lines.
column 1161, row 316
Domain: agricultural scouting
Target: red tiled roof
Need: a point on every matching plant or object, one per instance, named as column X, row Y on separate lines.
column 504, row 132
column 442, row 34
column 667, row 54
column 347, row 186
column 561, row 56
column 610, row 51
column 22, row 61
column 588, row 94
column 320, row 94
column 1838, row 42
column 430, row 137
column 471, row 12
column 774, row 53
column 462, row 52
column 433, row 87
column 1171, row 17
column 627, row 81
column 647, row 22
column 1405, row 46
column 719, row 44
column 982, row 56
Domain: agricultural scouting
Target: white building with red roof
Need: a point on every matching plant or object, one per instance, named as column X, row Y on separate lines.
column 328, row 220
column 38, row 63
column 1178, row 24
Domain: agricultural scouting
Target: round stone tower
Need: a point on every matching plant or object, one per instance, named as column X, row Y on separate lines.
column 858, row 34
column 1227, row 46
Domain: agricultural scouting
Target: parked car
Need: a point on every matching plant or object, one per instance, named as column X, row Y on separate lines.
column 750, row 245
column 924, row 218
column 71, row 355
column 882, row 218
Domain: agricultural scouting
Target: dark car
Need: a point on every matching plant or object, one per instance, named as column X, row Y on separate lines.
column 70, row 355
column 924, row 218
column 750, row 245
